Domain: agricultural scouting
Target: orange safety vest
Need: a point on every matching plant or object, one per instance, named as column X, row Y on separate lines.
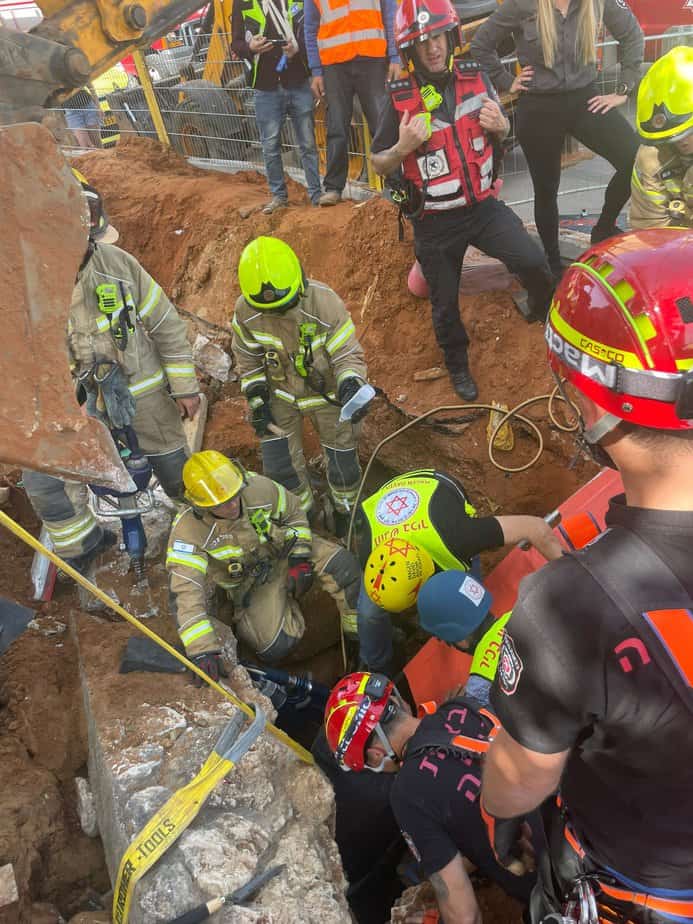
column 349, row 29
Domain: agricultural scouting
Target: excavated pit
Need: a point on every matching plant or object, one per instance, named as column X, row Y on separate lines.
column 188, row 228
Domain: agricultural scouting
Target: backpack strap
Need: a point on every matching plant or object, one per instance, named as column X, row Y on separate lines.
column 652, row 599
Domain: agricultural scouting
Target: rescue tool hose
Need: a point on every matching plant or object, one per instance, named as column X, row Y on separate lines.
column 550, row 397
column 30, row 540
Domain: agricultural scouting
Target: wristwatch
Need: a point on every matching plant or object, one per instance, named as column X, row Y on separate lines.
column 623, row 89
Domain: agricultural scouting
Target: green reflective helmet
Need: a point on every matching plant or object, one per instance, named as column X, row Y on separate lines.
column 665, row 98
column 270, row 274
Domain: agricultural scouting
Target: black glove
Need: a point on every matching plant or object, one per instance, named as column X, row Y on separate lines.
column 511, row 842
column 346, row 392
column 300, row 577
column 260, row 416
column 212, row 664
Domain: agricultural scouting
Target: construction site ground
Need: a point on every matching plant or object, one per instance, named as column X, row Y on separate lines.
column 188, row 228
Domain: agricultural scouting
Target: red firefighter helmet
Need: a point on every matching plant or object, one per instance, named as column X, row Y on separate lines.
column 354, row 710
column 620, row 329
column 418, row 20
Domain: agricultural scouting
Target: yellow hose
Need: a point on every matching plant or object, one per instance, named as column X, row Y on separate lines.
column 30, row 540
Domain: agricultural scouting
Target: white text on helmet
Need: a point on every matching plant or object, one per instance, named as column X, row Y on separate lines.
column 598, row 371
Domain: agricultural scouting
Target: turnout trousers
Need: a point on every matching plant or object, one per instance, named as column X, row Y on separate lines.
column 283, row 459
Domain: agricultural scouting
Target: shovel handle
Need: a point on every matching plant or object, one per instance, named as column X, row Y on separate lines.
column 201, row 913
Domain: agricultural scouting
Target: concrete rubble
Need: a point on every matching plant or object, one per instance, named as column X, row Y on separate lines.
column 211, row 359
column 270, row 810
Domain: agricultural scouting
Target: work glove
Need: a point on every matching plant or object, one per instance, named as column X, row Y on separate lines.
column 260, row 416
column 117, row 401
column 346, row 392
column 300, row 577
column 212, row 664
column 511, row 842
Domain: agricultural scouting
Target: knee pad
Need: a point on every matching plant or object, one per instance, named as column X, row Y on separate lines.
column 277, row 464
column 168, row 468
column 343, row 469
column 345, row 571
column 48, row 496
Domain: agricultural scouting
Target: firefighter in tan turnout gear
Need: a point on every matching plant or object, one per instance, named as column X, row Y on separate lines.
column 250, row 536
column 129, row 353
column 298, row 356
column 662, row 183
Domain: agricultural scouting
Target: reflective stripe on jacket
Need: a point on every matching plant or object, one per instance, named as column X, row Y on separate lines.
column 267, row 348
column 454, row 168
column 349, row 29
column 661, row 188
column 157, row 353
column 230, row 553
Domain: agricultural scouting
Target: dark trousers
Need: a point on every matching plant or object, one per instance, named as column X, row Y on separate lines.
column 542, row 123
column 364, row 77
column 441, row 240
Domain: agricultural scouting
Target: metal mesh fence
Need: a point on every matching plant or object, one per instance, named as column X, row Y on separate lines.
column 210, row 117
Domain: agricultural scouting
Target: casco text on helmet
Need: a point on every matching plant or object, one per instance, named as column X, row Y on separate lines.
column 620, row 328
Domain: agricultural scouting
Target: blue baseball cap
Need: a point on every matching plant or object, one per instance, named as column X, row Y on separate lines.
column 452, row 604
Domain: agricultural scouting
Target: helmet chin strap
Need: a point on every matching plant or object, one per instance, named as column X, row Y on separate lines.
column 389, row 752
column 589, row 437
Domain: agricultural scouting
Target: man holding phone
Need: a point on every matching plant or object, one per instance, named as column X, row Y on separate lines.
column 268, row 36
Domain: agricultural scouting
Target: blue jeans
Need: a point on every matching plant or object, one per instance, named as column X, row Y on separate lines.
column 271, row 110
column 375, row 628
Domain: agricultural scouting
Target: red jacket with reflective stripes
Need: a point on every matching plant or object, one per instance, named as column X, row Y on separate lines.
column 454, row 168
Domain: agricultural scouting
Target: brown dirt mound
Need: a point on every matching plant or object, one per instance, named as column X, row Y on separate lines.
column 185, row 226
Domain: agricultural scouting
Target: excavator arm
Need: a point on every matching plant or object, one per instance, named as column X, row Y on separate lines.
column 76, row 41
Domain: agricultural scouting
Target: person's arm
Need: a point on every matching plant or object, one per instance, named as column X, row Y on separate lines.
column 388, row 10
column 249, row 356
column 169, row 334
column 238, row 39
column 311, row 24
column 625, row 28
column 187, row 565
column 342, row 346
column 535, row 530
column 499, row 26
column 413, row 132
column 517, row 779
column 288, row 512
column 454, row 894
column 649, row 201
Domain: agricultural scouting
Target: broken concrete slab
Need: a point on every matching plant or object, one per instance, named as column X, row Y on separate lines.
column 211, row 359
column 86, row 808
column 270, row 809
column 9, row 896
column 195, row 429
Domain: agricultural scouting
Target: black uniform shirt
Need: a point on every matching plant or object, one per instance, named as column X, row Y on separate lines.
column 436, row 803
column 561, row 685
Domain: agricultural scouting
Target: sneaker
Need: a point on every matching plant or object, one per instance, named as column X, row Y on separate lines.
column 601, row 232
column 464, row 385
column 274, row 204
column 331, row 197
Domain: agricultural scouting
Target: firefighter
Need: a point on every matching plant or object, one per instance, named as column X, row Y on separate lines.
column 416, row 524
column 131, row 358
column 248, row 535
column 438, row 141
column 594, row 687
column 435, row 795
column 298, row 356
column 662, row 182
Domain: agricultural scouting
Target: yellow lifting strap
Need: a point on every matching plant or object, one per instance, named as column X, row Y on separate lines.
column 30, row 540
column 171, row 820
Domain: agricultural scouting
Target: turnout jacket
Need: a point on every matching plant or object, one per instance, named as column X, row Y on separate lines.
column 157, row 354
column 661, row 188
column 316, row 334
column 234, row 554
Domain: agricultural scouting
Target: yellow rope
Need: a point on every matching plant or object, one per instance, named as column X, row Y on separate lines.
column 30, row 540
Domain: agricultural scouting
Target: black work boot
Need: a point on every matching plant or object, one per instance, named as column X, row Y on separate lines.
column 464, row 384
